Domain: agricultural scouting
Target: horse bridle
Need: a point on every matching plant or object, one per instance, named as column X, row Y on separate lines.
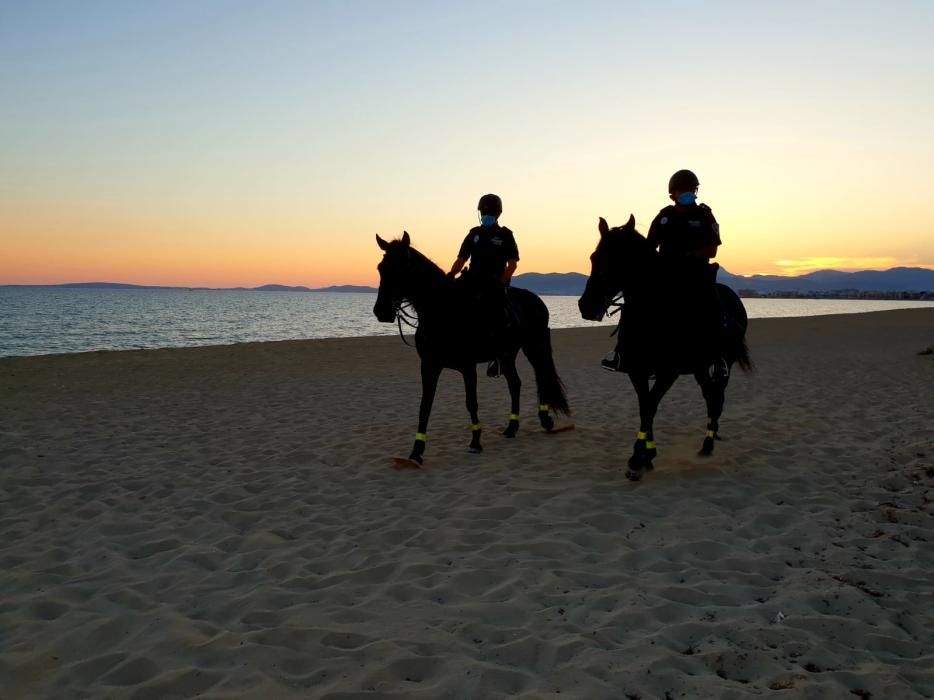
column 404, row 315
column 614, row 303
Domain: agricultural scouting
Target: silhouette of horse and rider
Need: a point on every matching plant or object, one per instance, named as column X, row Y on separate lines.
column 676, row 319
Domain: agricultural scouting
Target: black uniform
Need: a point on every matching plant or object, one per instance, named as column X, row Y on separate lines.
column 681, row 230
column 680, row 233
column 489, row 248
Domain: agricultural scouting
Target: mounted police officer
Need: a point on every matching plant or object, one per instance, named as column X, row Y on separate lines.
column 494, row 256
column 687, row 235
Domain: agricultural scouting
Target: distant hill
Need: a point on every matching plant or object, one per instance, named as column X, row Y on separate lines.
column 352, row 288
column 347, row 288
column 95, row 285
column 552, row 283
column 278, row 288
column 898, row 279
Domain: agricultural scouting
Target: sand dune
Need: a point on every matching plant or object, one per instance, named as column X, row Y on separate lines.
column 224, row 523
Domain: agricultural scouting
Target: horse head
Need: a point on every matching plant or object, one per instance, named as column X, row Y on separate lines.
column 393, row 276
column 620, row 252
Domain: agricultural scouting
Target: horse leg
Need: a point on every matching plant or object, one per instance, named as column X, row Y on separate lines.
column 713, row 390
column 643, row 450
column 544, row 417
column 638, row 461
column 473, row 407
column 515, row 386
column 430, row 375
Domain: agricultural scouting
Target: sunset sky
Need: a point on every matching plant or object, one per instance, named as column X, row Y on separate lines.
column 241, row 143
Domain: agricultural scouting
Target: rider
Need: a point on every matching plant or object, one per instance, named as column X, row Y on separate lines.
column 687, row 236
column 493, row 256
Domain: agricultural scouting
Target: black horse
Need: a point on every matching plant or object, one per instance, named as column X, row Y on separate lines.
column 450, row 335
column 663, row 332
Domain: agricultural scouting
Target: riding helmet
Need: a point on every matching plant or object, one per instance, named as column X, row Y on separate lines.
column 683, row 181
column 490, row 205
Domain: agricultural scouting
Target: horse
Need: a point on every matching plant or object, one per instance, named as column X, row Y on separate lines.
column 658, row 338
column 449, row 335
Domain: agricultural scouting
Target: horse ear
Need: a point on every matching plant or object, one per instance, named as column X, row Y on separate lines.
column 406, row 241
column 381, row 243
column 632, row 222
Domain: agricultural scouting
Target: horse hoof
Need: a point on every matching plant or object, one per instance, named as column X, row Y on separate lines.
column 648, row 466
column 509, row 432
column 634, row 474
column 417, row 458
column 475, row 449
column 707, row 448
column 548, row 423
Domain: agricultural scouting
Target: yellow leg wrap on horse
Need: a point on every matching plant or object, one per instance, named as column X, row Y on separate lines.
column 543, row 407
column 710, row 433
column 513, row 416
column 422, row 437
column 650, row 444
column 641, row 436
column 475, row 426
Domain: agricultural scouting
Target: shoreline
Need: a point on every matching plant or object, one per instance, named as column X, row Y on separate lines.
column 409, row 334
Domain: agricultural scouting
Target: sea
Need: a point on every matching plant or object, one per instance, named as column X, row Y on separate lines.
column 47, row 320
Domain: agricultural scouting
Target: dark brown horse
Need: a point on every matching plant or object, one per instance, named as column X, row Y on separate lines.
column 450, row 335
column 664, row 335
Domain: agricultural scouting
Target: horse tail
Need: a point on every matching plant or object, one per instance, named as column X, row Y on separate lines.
column 742, row 355
column 737, row 322
column 551, row 389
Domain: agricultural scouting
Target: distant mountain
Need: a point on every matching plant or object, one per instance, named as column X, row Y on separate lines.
column 552, row 283
column 278, row 288
column 348, row 288
column 898, row 279
column 95, row 285
column 263, row 288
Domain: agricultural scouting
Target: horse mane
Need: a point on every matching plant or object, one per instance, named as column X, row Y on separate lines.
column 625, row 237
column 429, row 265
column 425, row 269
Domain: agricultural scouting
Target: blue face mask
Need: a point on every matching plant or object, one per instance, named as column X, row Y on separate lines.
column 487, row 220
column 687, row 198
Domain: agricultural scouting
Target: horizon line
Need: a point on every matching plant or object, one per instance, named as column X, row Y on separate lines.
column 305, row 287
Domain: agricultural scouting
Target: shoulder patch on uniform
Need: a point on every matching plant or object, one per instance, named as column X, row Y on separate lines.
column 663, row 220
column 476, row 237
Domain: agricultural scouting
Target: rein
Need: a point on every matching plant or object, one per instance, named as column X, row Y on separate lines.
column 404, row 315
column 617, row 308
column 615, row 302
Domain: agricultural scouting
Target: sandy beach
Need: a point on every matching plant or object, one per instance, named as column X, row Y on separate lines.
column 225, row 522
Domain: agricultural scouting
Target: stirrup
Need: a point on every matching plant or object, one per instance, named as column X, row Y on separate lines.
column 719, row 370
column 493, row 368
column 612, row 362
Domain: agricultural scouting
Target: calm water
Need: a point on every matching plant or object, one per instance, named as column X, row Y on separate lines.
column 36, row 321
